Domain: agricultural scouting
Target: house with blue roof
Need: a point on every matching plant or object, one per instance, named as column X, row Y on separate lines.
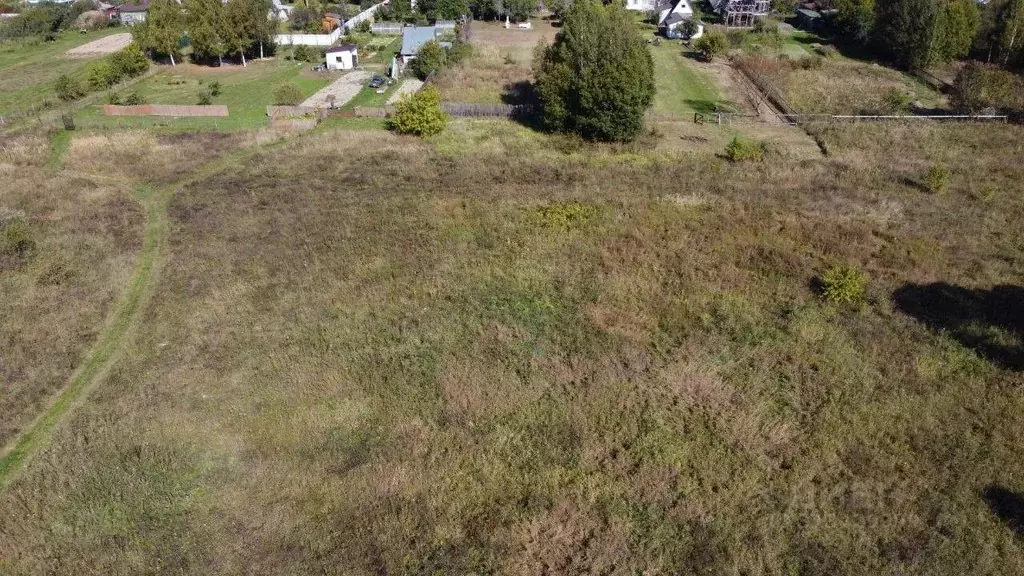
column 414, row 37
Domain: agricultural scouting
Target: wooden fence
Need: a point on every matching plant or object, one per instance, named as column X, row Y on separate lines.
column 460, row 110
column 165, row 110
column 387, row 28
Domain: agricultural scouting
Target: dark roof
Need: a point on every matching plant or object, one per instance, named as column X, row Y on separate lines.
column 808, row 13
column 129, row 7
column 342, row 48
column 674, row 17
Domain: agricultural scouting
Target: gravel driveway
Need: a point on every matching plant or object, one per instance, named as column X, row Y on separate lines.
column 344, row 89
column 408, row 86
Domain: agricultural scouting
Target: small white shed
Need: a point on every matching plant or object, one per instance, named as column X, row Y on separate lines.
column 342, row 57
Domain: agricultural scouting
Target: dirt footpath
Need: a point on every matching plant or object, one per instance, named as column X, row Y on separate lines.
column 343, row 89
column 105, row 45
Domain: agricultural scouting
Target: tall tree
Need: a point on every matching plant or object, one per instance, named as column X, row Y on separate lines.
column 165, row 25
column 856, row 20
column 922, row 33
column 207, row 29
column 1002, row 32
column 240, row 30
column 597, row 79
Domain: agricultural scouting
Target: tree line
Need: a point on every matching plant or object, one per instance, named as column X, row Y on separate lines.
column 214, row 29
column 924, row 33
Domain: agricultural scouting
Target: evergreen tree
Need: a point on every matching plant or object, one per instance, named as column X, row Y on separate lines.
column 922, row 33
column 165, row 25
column 240, row 27
column 597, row 79
column 207, row 29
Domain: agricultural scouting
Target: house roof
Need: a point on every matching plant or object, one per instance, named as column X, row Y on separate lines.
column 808, row 13
column 674, row 17
column 342, row 48
column 414, row 37
column 129, row 7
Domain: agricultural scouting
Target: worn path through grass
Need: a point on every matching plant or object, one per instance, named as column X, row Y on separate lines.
column 120, row 325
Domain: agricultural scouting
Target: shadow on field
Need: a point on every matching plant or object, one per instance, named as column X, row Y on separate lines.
column 1007, row 505
column 991, row 322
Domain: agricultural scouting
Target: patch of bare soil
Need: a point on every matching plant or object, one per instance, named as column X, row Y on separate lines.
column 101, row 46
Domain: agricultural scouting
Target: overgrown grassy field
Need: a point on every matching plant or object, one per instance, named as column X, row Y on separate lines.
column 500, row 67
column 246, row 91
column 28, row 68
column 493, row 352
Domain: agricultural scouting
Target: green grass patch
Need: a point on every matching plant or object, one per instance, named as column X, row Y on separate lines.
column 682, row 88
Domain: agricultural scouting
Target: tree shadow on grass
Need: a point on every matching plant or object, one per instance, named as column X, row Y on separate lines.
column 991, row 322
column 1007, row 505
column 703, row 106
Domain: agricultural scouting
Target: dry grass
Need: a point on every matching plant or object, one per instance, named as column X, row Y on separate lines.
column 86, row 232
column 500, row 65
column 414, row 361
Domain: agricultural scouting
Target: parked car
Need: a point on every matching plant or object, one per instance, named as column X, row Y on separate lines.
column 377, row 81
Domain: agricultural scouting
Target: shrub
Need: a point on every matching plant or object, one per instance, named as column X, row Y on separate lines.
column 129, row 62
column 113, row 98
column 204, row 99
column 938, row 178
column 843, row 284
column 215, row 88
column 565, row 215
column 419, row 114
column 101, row 75
column 133, row 99
column 741, row 150
column 712, row 43
column 363, row 27
column 68, row 88
column 897, row 100
column 307, row 54
column 431, row 58
column 979, row 86
column 287, row 95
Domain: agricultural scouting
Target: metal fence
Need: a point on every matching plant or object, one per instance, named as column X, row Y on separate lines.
column 387, row 28
column 729, row 118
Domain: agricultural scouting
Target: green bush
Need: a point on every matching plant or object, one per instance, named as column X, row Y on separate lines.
column 419, row 114
column 814, row 62
column 129, row 62
column 938, row 178
column 215, row 88
column 113, row 98
column 565, row 215
column 307, row 54
column 101, row 76
column 204, row 98
column 843, row 284
column 980, row 86
column 133, row 99
column 431, row 58
column 713, row 43
column 287, row 95
column 68, row 88
column 897, row 101
column 741, row 150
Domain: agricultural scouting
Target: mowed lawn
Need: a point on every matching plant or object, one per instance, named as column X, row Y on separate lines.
column 482, row 354
column 682, row 88
column 28, row 68
column 246, row 91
